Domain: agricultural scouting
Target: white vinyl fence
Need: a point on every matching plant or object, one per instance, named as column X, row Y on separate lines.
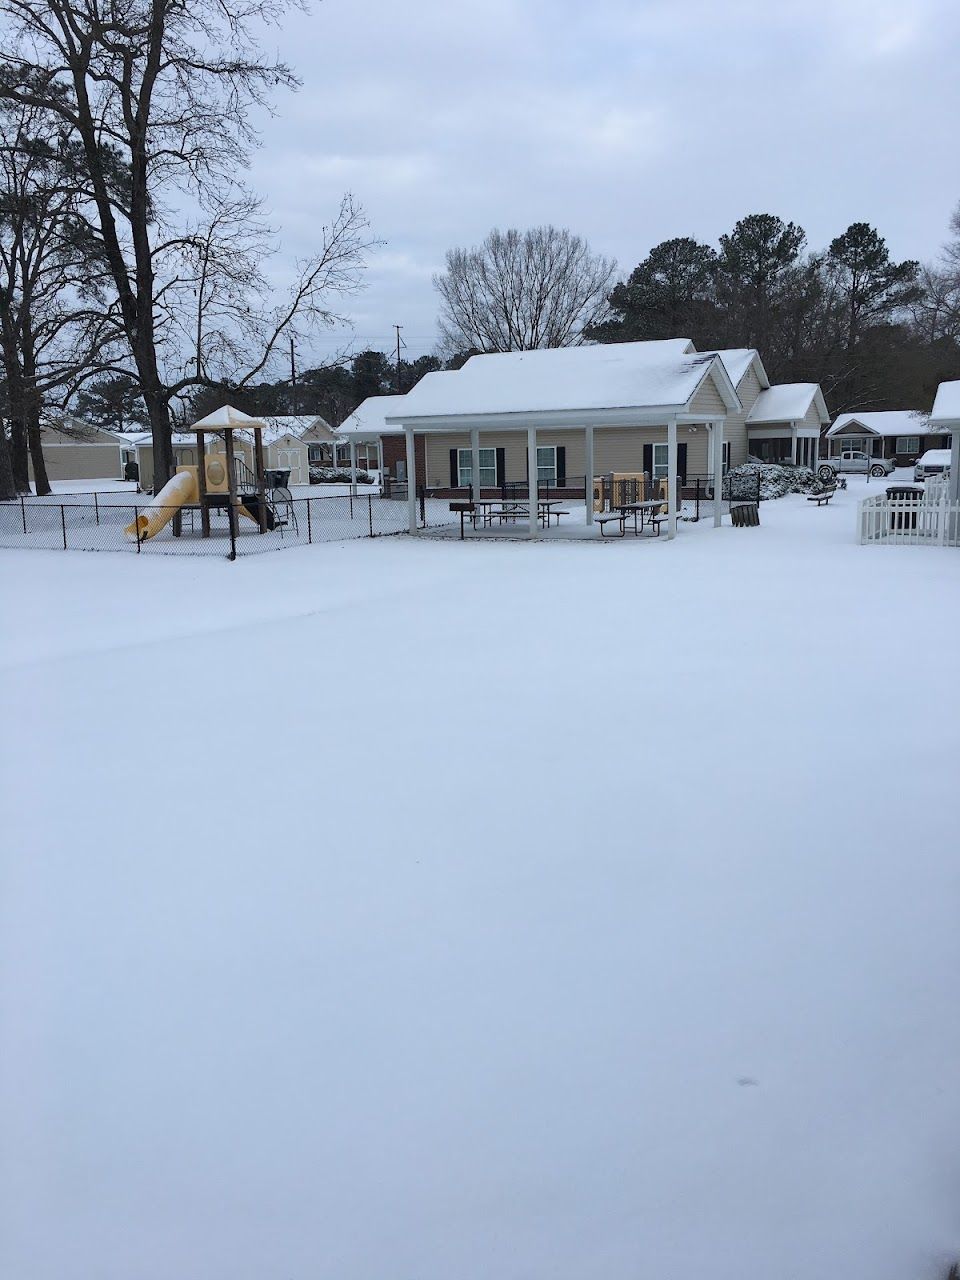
column 928, row 520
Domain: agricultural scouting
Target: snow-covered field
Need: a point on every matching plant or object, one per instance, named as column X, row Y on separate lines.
column 571, row 912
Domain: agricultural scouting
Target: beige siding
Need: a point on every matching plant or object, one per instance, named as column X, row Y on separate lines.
column 708, row 399
column 812, row 418
column 735, row 427
column 81, row 461
column 614, row 449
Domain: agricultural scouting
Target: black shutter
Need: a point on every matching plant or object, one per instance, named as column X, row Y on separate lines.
column 454, row 470
column 501, row 468
column 561, row 466
column 682, row 462
column 648, row 460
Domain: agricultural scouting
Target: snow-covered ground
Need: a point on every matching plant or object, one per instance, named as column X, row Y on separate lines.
column 571, row 911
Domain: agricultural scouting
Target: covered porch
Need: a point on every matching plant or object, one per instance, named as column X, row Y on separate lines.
column 545, row 503
column 792, row 443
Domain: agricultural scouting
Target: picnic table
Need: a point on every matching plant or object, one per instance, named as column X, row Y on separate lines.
column 641, row 509
column 490, row 509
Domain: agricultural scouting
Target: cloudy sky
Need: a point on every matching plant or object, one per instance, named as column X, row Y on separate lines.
column 628, row 121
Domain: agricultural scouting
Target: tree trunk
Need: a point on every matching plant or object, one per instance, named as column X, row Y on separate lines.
column 40, row 481
column 159, row 413
column 8, row 486
column 18, row 455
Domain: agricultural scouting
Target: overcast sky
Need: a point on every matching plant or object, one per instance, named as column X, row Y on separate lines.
column 628, row 121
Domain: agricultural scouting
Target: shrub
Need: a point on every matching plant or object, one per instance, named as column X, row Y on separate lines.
column 775, row 481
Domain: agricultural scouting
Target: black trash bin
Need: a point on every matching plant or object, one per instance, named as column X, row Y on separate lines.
column 277, row 478
column 907, row 493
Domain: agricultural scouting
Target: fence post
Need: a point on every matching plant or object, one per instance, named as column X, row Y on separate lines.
column 96, row 508
column 370, row 511
column 309, row 524
column 23, row 513
column 423, row 506
column 136, row 527
column 351, row 502
column 63, row 524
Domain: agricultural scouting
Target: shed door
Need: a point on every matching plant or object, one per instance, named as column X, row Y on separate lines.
column 291, row 458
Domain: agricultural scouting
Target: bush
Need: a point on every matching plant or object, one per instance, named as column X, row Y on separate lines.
column 327, row 475
column 775, row 480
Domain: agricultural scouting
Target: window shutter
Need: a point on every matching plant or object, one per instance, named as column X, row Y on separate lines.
column 561, row 466
column 501, row 468
column 682, row 461
column 648, row 460
column 454, row 470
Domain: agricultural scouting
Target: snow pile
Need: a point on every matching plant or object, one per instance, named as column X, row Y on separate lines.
column 775, row 481
column 602, row 971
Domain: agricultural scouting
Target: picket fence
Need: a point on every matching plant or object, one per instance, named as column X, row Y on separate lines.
column 929, row 520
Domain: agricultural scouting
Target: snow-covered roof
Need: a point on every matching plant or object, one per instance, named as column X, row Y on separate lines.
column 621, row 376
column 886, row 422
column 738, row 361
column 369, row 418
column 946, row 407
column 227, row 418
column 788, row 402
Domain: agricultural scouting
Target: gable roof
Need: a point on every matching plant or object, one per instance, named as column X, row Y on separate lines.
column 946, row 407
column 886, row 422
column 788, row 402
column 561, row 384
column 738, row 362
column 369, row 417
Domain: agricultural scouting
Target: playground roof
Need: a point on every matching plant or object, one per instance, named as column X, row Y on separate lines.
column 226, row 418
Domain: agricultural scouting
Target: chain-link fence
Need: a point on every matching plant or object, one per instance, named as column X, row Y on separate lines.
column 88, row 522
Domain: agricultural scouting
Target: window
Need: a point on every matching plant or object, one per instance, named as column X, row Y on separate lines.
column 908, row 444
column 547, row 465
column 659, row 462
column 313, row 452
column 726, row 455
column 488, row 468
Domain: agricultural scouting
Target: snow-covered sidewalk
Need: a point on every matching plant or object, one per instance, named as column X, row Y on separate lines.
column 573, row 913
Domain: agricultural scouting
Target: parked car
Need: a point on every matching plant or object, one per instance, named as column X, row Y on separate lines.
column 853, row 461
column 931, row 463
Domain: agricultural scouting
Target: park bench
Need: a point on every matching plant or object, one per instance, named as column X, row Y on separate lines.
column 821, row 499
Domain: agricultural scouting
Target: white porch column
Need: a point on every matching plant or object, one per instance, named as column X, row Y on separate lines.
column 953, row 490
column 353, row 465
column 793, row 439
column 716, row 465
column 588, row 481
column 411, row 480
column 475, row 463
column 671, row 477
column 533, row 488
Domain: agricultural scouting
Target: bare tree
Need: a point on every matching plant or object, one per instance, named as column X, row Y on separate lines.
column 158, row 96
column 53, row 320
column 521, row 290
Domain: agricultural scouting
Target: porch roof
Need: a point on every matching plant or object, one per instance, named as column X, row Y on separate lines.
column 369, row 420
column 887, row 422
column 787, row 402
column 614, row 384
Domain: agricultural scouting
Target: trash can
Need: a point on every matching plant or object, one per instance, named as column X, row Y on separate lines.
column 278, row 478
column 904, row 516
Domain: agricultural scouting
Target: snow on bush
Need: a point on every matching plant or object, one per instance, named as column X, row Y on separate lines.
column 326, row 475
column 774, row 480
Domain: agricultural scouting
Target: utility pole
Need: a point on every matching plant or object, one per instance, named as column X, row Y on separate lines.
column 398, row 327
column 293, row 379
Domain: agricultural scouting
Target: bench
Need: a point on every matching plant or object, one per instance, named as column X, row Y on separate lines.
column 555, row 515
column 611, row 517
column 821, row 499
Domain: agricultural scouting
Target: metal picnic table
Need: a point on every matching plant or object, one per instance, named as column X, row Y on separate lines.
column 490, row 509
column 640, row 509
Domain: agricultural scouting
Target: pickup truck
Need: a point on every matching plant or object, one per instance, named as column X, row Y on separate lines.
column 852, row 461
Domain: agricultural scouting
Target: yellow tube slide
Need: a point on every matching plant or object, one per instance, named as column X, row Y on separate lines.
column 182, row 488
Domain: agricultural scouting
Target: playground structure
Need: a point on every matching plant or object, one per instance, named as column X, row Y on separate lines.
column 217, row 482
